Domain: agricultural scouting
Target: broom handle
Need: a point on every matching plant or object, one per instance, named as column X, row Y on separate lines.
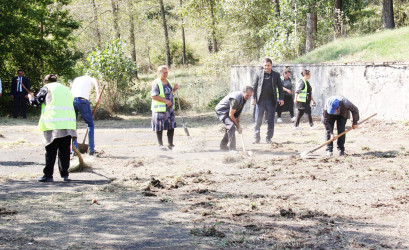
column 343, row 133
column 28, row 92
column 93, row 112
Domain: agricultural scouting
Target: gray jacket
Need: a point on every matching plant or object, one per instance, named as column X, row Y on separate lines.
column 258, row 85
column 223, row 107
column 346, row 108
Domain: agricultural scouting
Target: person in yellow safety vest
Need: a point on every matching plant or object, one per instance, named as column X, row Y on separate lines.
column 163, row 106
column 302, row 100
column 58, row 124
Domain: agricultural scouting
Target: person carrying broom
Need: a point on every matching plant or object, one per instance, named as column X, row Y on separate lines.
column 58, row 124
column 80, row 89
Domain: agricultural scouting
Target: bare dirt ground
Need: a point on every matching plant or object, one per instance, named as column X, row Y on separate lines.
column 198, row 197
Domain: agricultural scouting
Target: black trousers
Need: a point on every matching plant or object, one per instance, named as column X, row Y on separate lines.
column 341, row 121
column 288, row 106
column 63, row 147
column 19, row 100
column 300, row 113
column 229, row 135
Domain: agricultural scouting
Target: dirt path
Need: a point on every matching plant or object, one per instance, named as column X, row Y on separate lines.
column 198, row 196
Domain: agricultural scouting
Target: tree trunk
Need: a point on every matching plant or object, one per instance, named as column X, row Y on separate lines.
column 214, row 39
column 132, row 34
column 337, row 18
column 276, row 4
column 388, row 21
column 115, row 12
column 96, row 24
column 311, row 30
column 165, row 31
column 183, row 39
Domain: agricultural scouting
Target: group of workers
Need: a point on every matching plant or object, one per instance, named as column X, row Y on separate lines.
column 270, row 92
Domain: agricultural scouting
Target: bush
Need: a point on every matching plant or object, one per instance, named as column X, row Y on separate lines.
column 176, row 52
column 215, row 100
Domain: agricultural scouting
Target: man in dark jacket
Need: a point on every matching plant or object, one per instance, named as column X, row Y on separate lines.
column 228, row 111
column 265, row 98
column 19, row 94
column 338, row 108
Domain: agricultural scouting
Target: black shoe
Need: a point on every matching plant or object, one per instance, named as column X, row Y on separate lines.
column 224, row 148
column 91, row 152
column 256, row 142
column 268, row 141
column 341, row 153
column 45, row 179
column 65, row 178
column 171, row 146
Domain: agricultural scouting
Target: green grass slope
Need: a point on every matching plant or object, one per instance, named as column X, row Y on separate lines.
column 385, row 46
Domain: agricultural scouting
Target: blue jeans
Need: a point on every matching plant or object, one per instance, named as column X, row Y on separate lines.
column 261, row 107
column 82, row 106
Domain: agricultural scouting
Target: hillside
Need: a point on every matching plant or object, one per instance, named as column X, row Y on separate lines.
column 385, row 46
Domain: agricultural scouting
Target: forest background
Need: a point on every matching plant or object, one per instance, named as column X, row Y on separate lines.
column 121, row 42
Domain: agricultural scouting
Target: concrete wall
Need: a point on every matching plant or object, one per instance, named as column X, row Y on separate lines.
column 373, row 88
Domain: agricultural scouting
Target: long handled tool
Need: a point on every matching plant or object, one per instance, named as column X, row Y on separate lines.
column 24, row 86
column 180, row 109
column 83, row 148
column 333, row 139
column 249, row 153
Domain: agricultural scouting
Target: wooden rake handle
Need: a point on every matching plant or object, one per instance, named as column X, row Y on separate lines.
column 24, row 86
column 336, row 137
column 93, row 112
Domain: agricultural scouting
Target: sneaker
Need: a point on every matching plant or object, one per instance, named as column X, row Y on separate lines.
column 233, row 151
column 313, row 127
column 268, row 140
column 161, row 147
column 329, row 154
column 341, row 153
column 91, row 153
column 293, row 119
column 171, row 146
column 65, row 178
column 46, row 179
column 256, row 141
column 279, row 120
column 224, row 148
column 298, row 128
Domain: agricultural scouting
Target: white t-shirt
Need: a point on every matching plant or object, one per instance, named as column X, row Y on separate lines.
column 81, row 86
column 0, row 87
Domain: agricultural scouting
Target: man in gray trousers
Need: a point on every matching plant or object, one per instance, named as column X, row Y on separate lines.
column 228, row 111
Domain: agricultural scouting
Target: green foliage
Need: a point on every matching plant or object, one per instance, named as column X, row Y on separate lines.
column 385, row 46
column 215, row 100
column 176, row 51
column 368, row 20
column 37, row 36
column 113, row 67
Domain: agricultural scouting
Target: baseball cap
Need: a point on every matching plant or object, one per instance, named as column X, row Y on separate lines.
column 333, row 104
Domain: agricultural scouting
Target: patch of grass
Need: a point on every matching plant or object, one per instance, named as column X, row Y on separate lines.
column 385, row 46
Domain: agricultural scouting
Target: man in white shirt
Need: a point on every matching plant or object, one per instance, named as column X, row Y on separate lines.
column 0, row 88
column 80, row 89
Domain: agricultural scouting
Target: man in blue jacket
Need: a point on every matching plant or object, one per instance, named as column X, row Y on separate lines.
column 19, row 94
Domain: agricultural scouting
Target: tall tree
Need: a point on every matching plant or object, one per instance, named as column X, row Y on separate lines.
column 132, row 33
column 388, row 21
column 213, row 32
column 276, row 4
column 182, row 26
column 97, row 29
column 337, row 18
column 115, row 13
column 311, row 29
column 165, row 31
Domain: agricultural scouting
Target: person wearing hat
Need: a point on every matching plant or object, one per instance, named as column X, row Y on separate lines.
column 338, row 109
column 58, row 124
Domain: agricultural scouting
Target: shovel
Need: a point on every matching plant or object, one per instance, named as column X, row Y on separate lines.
column 305, row 154
column 180, row 108
column 83, row 148
column 249, row 153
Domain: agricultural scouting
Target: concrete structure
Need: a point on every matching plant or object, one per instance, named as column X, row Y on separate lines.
column 374, row 88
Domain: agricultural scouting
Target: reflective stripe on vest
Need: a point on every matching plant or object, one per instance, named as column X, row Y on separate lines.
column 158, row 106
column 302, row 96
column 59, row 112
column 282, row 83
